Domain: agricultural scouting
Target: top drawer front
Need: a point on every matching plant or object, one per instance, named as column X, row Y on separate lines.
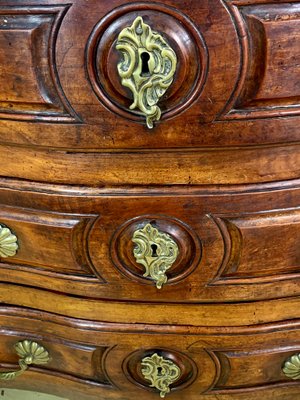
column 173, row 245
column 223, row 92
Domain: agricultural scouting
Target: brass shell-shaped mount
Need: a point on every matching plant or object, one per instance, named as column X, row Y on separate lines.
column 147, row 69
column 8, row 242
column 160, row 372
column 156, row 251
column 30, row 353
column 291, row 367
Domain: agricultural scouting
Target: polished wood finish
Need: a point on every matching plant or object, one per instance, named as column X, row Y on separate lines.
column 80, row 241
column 80, row 173
column 200, row 125
column 202, row 167
column 100, row 359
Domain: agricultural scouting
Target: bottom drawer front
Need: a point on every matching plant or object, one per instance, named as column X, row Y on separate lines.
column 91, row 360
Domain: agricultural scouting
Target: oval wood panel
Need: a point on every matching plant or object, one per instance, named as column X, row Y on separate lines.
column 188, row 244
column 186, row 40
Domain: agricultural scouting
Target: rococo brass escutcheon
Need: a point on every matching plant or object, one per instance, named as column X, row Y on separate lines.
column 8, row 242
column 30, row 353
column 160, row 372
column 291, row 367
column 147, row 68
column 156, row 251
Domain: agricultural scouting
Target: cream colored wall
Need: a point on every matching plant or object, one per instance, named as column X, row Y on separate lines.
column 12, row 394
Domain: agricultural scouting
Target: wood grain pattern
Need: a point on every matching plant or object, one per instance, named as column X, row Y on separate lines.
column 198, row 125
column 121, row 354
column 28, row 78
column 234, row 246
column 261, row 245
column 269, row 84
column 80, row 172
column 53, row 242
column 210, row 314
column 201, row 167
column 69, row 360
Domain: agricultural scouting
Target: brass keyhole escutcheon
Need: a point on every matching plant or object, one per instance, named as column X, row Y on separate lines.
column 161, row 372
column 147, row 69
column 156, row 251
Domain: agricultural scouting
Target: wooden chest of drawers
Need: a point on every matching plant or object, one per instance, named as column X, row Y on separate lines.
column 150, row 198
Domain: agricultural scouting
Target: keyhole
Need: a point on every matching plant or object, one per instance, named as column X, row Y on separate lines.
column 154, row 250
column 145, row 57
column 159, row 370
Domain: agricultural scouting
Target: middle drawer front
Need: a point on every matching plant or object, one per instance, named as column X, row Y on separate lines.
column 183, row 245
column 102, row 360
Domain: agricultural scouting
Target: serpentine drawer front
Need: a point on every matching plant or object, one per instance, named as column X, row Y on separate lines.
column 150, row 198
column 184, row 247
column 103, row 360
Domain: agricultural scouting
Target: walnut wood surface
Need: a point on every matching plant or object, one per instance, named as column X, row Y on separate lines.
column 79, row 172
column 54, row 93
column 233, row 246
column 101, row 360
column 202, row 167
